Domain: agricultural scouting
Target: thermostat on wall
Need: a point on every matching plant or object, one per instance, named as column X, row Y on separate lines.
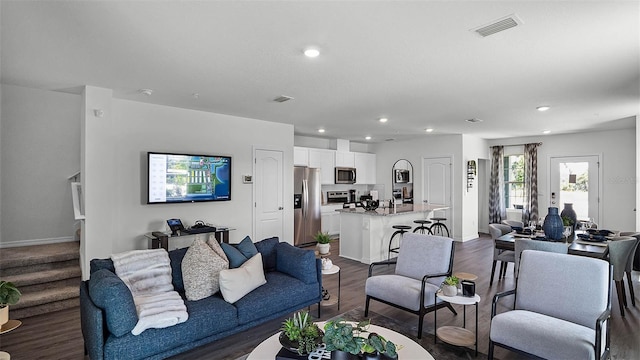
column 247, row 179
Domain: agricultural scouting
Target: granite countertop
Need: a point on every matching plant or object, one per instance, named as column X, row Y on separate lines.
column 398, row 210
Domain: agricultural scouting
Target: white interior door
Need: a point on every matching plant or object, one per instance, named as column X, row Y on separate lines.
column 575, row 180
column 436, row 187
column 268, row 184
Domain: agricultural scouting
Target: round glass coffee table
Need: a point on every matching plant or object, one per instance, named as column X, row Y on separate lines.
column 408, row 349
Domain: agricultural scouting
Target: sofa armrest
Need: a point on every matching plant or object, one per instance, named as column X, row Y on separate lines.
column 297, row 262
column 92, row 322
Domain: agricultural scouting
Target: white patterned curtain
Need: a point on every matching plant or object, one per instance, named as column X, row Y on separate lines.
column 530, row 206
column 497, row 210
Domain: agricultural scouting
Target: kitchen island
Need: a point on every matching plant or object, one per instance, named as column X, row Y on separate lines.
column 364, row 235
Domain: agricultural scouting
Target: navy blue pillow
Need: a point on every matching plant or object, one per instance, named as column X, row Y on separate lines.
column 234, row 255
column 267, row 248
column 109, row 293
column 296, row 262
column 247, row 248
column 176, row 256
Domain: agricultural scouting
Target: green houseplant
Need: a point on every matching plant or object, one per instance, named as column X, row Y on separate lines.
column 324, row 242
column 343, row 339
column 9, row 295
column 304, row 336
column 450, row 286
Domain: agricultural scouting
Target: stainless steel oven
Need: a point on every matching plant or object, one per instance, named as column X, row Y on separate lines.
column 345, row 175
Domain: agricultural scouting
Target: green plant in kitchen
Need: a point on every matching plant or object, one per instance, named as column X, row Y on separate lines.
column 302, row 330
column 322, row 238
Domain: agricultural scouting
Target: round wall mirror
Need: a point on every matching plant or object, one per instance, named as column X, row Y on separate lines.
column 402, row 181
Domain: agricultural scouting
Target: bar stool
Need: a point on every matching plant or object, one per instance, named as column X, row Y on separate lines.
column 439, row 228
column 422, row 228
column 400, row 230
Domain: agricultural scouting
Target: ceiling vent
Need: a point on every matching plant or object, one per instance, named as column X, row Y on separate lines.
column 474, row 120
column 499, row 25
column 282, row 98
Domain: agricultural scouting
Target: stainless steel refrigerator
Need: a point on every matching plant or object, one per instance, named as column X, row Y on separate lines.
column 307, row 200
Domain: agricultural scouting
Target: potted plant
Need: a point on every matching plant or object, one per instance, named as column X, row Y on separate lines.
column 343, row 339
column 450, row 286
column 324, row 242
column 302, row 333
column 9, row 295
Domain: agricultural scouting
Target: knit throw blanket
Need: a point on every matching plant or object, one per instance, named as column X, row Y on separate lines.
column 147, row 273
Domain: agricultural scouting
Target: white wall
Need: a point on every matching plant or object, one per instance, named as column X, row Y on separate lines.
column 40, row 149
column 429, row 146
column 474, row 148
column 617, row 150
column 139, row 127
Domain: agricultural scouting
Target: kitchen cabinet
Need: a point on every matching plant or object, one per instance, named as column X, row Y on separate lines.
column 325, row 161
column 365, row 165
column 330, row 219
column 300, row 156
column 345, row 159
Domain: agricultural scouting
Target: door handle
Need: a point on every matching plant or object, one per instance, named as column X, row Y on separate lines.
column 280, row 208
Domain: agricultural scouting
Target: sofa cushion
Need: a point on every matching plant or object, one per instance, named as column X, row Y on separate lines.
column 267, row 248
column 236, row 283
column 201, row 267
column 176, row 256
column 296, row 262
column 234, row 255
column 207, row 317
column 111, row 294
column 281, row 292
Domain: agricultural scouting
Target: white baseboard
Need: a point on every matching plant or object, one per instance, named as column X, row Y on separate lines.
column 31, row 242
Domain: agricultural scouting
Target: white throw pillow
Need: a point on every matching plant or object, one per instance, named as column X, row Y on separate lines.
column 201, row 267
column 238, row 282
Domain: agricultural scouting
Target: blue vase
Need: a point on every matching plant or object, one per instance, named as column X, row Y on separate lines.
column 552, row 225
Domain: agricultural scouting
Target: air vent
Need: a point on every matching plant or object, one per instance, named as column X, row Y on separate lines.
column 499, row 25
column 282, row 98
column 474, row 120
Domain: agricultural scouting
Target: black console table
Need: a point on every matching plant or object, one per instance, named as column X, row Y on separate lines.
column 159, row 239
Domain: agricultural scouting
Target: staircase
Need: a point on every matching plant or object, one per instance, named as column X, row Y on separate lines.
column 48, row 276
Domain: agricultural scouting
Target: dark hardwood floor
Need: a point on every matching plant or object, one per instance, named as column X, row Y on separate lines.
column 58, row 336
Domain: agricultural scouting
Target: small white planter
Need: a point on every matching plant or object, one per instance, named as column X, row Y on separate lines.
column 324, row 248
column 4, row 315
column 449, row 290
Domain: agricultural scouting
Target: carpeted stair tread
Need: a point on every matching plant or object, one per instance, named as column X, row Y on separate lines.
column 47, row 296
column 46, row 276
column 44, row 308
column 39, row 254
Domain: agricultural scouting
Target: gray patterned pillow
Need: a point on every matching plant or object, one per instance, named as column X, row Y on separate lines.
column 201, row 271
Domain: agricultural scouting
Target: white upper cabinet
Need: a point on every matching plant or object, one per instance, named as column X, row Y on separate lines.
column 300, row 156
column 365, row 165
column 325, row 161
column 345, row 159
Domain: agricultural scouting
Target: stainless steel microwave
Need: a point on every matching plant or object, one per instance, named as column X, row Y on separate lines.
column 345, row 175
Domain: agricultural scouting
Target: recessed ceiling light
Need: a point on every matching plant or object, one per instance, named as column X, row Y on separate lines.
column 547, row 132
column 474, row 120
column 428, row 129
column 320, row 130
column 383, row 120
column 367, row 137
column 543, row 108
column 311, row 52
column 146, row 92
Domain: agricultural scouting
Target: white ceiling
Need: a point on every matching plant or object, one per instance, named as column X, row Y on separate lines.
column 415, row 62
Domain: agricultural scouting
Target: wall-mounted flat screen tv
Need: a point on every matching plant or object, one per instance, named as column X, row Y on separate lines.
column 178, row 178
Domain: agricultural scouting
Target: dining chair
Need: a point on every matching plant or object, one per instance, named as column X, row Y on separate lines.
column 620, row 249
column 504, row 256
column 421, row 266
column 514, row 223
column 540, row 245
column 561, row 308
column 633, row 259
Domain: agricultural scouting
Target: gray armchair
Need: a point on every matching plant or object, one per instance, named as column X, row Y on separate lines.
column 422, row 264
column 562, row 308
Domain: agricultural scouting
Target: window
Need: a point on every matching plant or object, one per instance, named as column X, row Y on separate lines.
column 514, row 181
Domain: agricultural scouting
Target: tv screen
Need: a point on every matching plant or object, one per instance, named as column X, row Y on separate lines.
column 176, row 178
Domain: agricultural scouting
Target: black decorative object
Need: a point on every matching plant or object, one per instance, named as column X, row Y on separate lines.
column 553, row 225
column 370, row 205
column 569, row 213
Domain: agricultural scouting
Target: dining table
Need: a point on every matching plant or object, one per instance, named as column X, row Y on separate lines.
column 576, row 246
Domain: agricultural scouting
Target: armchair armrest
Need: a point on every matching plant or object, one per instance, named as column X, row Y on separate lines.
column 604, row 317
column 386, row 262
column 499, row 296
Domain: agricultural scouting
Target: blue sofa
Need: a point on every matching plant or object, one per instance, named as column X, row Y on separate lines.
column 294, row 281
